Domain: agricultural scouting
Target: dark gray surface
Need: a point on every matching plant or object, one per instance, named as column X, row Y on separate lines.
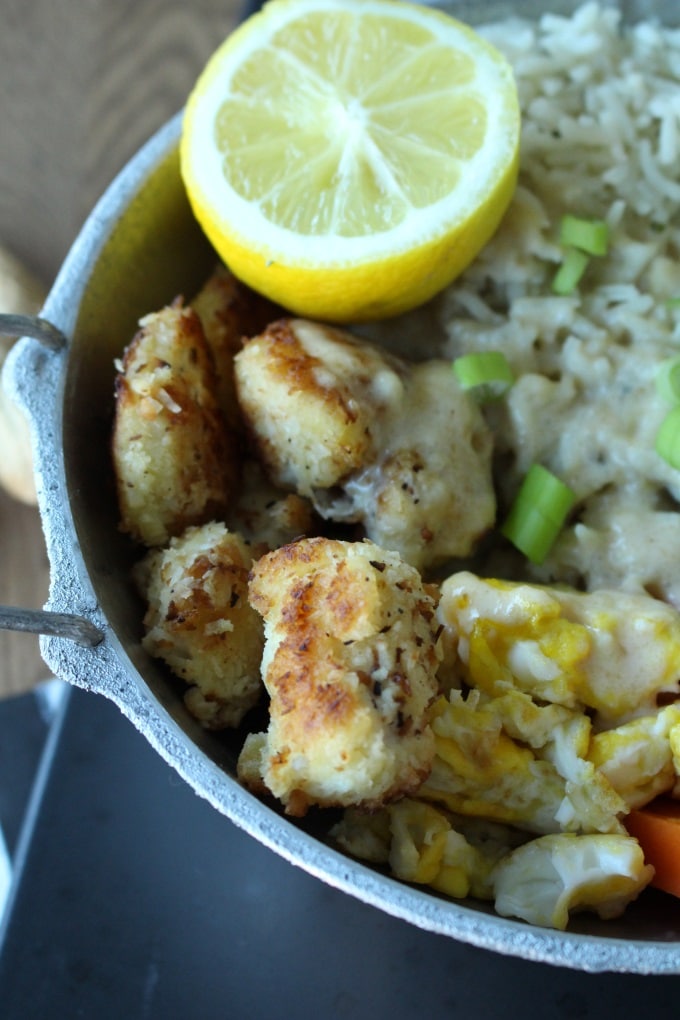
column 136, row 899
column 23, row 731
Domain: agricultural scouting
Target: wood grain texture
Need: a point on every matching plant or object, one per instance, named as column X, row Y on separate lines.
column 84, row 83
column 24, row 582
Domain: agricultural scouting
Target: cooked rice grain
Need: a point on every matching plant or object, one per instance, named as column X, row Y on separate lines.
column 601, row 139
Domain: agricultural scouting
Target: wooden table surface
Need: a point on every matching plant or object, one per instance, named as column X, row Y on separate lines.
column 83, row 86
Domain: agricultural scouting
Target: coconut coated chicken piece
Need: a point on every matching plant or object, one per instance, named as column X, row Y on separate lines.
column 309, row 395
column 198, row 620
column 173, row 460
column 349, row 663
column 267, row 516
column 398, row 448
column 229, row 312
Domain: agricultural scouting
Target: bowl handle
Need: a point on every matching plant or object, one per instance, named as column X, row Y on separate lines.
column 35, row 327
column 35, row 621
column 63, row 625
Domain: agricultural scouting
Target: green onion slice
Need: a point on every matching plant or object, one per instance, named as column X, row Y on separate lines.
column 667, row 443
column 569, row 274
column 538, row 513
column 589, row 236
column 485, row 374
column 668, row 380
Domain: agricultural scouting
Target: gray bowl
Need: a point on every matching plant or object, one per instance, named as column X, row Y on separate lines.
column 139, row 249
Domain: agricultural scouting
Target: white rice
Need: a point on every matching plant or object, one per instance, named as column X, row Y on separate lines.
column 601, row 139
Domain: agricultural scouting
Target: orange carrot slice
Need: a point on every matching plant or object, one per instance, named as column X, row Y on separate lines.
column 657, row 829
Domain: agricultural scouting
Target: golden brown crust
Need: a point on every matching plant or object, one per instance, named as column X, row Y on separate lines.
column 265, row 515
column 350, row 662
column 229, row 312
column 305, row 392
column 173, row 462
column 199, row 621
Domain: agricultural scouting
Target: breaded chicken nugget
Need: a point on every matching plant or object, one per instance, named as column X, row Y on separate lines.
column 200, row 623
column 310, row 395
column 267, row 516
column 173, row 462
column 229, row 311
column 395, row 447
column 350, row 661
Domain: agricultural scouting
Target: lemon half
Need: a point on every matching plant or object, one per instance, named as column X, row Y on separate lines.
column 348, row 158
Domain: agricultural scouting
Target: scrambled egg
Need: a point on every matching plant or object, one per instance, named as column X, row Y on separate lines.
column 480, row 769
column 638, row 757
column 552, row 730
column 542, row 880
column 612, row 652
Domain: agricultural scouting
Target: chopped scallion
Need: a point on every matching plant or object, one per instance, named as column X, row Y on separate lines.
column 538, row 513
column 485, row 374
column 589, row 236
column 667, row 443
column 668, row 380
column 573, row 267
